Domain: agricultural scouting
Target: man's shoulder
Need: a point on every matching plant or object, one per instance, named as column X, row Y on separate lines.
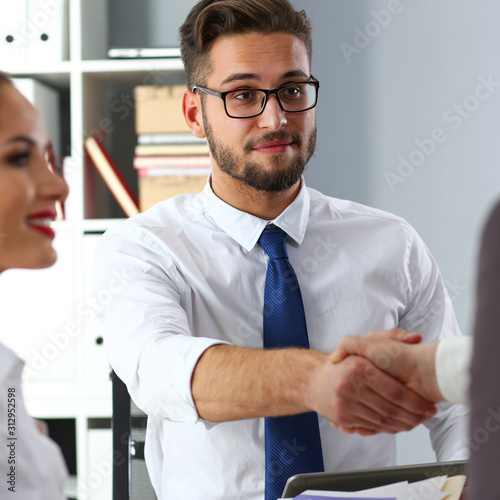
column 167, row 216
column 341, row 208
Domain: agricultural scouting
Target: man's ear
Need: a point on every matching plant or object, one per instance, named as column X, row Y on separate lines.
column 191, row 107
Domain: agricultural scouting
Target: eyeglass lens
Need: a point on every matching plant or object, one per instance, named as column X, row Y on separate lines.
column 248, row 102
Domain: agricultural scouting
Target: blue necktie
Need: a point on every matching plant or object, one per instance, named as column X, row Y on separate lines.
column 293, row 443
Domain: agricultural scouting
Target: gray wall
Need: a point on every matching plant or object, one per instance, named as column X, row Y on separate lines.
column 397, row 90
column 414, row 75
column 146, row 23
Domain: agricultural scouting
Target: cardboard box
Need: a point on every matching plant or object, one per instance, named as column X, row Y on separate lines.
column 153, row 189
column 159, row 109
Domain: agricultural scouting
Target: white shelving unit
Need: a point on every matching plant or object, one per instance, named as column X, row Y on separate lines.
column 50, row 318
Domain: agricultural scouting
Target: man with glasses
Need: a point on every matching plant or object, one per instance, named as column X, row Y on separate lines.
column 237, row 295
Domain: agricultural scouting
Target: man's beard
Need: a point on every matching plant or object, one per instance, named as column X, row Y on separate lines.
column 252, row 174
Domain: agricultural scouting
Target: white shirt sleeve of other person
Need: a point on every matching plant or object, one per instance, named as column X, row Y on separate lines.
column 188, row 274
column 453, row 357
column 31, row 464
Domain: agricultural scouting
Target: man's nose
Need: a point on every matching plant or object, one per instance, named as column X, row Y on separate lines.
column 273, row 117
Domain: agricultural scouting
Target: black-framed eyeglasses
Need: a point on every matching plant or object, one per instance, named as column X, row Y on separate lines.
column 247, row 103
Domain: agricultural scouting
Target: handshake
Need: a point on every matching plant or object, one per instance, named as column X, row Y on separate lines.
column 387, row 382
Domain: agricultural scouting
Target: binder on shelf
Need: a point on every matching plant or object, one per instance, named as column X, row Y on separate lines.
column 47, row 31
column 111, row 175
column 33, row 31
column 12, row 25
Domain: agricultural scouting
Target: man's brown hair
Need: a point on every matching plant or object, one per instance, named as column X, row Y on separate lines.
column 211, row 19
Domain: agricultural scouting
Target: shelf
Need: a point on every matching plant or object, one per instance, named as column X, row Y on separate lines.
column 56, row 74
column 106, row 70
column 98, row 225
column 113, row 66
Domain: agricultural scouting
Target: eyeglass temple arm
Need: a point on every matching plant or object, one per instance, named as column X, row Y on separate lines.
column 207, row 91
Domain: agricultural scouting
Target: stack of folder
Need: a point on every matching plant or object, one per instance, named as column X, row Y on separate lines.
column 169, row 160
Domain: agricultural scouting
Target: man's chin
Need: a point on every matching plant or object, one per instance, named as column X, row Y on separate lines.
column 271, row 180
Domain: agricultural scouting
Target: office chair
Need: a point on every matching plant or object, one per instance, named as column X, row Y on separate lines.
column 130, row 476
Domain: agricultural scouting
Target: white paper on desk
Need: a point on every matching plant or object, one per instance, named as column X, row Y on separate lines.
column 427, row 489
column 395, row 490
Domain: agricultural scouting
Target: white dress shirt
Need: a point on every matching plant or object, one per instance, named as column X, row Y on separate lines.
column 31, row 465
column 453, row 358
column 195, row 277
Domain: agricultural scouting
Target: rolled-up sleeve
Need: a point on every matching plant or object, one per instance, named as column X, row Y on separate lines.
column 430, row 312
column 147, row 337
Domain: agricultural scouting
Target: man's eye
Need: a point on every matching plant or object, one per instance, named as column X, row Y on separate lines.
column 292, row 91
column 245, row 95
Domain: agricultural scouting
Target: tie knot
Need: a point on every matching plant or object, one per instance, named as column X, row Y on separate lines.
column 273, row 242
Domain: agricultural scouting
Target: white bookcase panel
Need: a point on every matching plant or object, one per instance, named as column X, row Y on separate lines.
column 46, row 314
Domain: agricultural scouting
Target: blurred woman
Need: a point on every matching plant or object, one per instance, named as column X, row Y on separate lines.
column 31, row 465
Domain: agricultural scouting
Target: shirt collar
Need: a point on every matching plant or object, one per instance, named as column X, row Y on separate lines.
column 246, row 229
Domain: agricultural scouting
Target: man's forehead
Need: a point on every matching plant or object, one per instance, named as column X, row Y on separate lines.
column 235, row 77
column 255, row 56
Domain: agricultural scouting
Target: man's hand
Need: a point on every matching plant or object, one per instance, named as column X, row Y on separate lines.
column 232, row 383
column 357, row 395
column 398, row 354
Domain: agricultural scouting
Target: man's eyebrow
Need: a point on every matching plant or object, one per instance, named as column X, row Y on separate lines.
column 252, row 76
column 296, row 72
column 239, row 76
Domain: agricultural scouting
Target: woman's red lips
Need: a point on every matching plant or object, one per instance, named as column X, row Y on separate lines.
column 41, row 221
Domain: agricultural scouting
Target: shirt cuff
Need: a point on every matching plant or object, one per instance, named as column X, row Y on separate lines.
column 165, row 377
column 452, row 368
